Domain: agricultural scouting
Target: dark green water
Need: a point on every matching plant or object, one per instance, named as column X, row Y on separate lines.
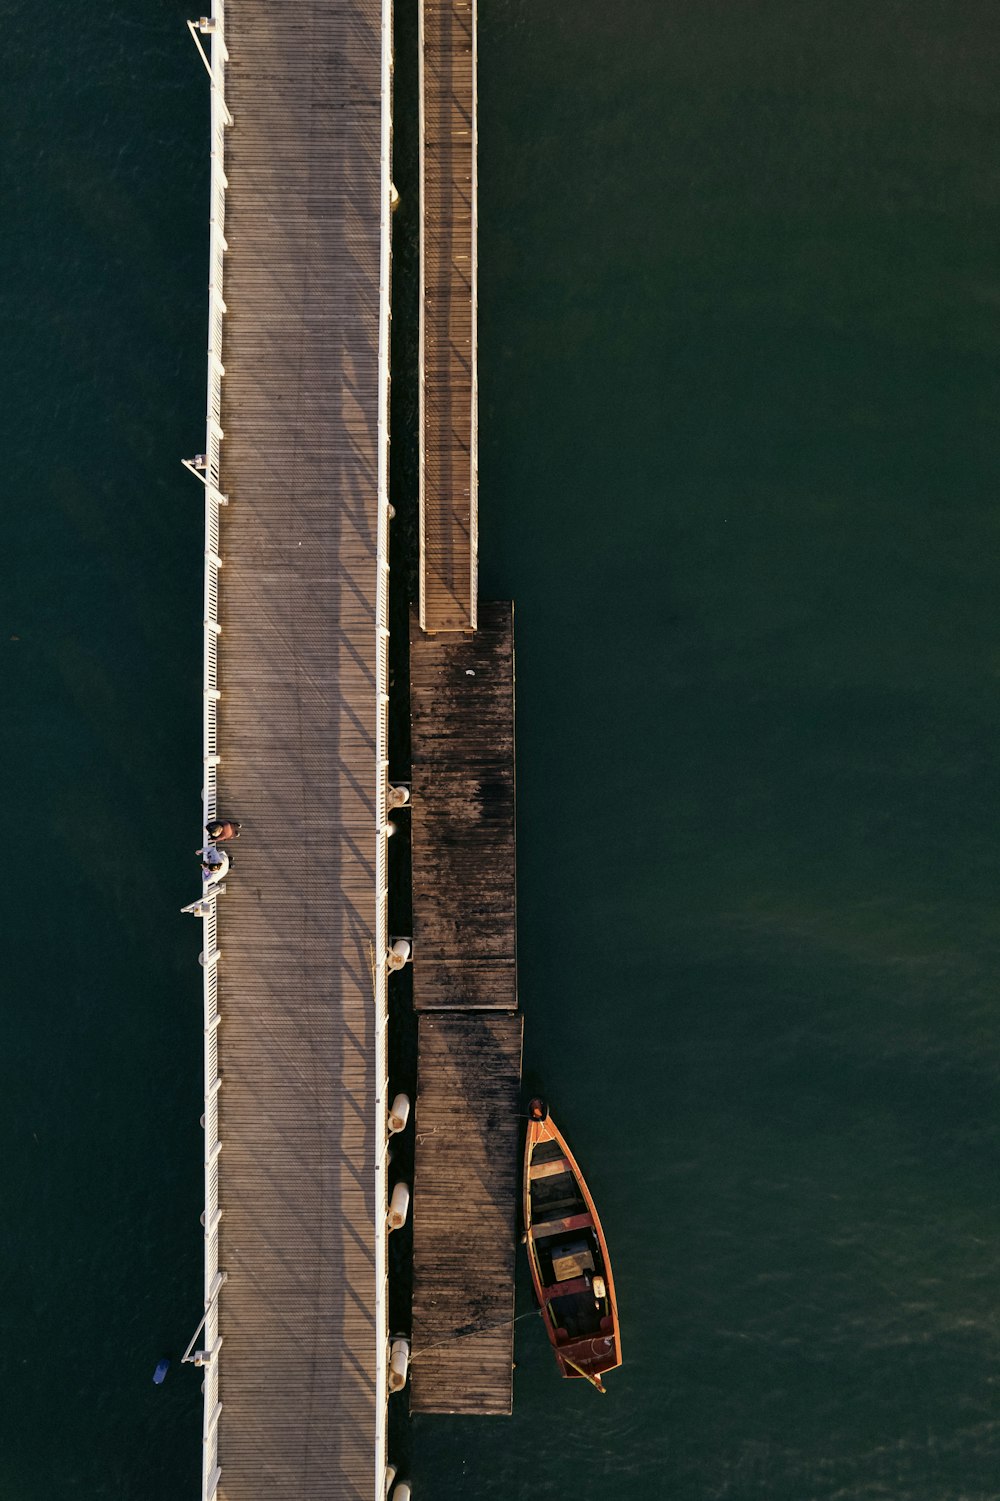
column 739, row 343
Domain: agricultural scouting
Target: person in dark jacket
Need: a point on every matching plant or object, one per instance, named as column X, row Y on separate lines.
column 221, row 829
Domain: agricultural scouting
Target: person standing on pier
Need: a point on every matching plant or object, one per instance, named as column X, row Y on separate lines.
column 221, row 829
column 215, row 865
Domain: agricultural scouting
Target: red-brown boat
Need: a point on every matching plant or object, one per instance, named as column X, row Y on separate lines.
column 568, row 1255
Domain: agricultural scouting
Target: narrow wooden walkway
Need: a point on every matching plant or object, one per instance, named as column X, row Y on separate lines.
column 464, row 1227
column 302, row 596
column 448, row 396
column 463, row 842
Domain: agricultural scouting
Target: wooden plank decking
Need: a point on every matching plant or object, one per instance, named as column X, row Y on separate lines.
column 448, row 407
column 464, row 1219
column 300, row 1107
column 462, row 795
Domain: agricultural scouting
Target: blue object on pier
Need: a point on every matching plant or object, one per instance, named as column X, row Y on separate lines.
column 161, row 1371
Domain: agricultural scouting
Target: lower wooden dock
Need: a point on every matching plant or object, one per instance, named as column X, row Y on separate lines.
column 469, row 1030
column 464, row 1225
column 463, row 830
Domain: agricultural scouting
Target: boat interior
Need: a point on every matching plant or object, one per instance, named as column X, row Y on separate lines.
column 554, row 1191
column 569, row 1259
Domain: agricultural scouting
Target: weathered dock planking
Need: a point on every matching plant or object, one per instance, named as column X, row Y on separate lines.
column 462, row 797
column 448, row 391
column 469, row 1036
column 464, row 1228
column 301, row 733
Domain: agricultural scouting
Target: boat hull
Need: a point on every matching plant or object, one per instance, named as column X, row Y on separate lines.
column 568, row 1256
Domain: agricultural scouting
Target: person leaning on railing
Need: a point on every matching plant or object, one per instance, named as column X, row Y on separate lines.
column 214, row 864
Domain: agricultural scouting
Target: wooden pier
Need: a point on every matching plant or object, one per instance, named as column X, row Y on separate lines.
column 463, row 840
column 296, row 747
column 464, row 1227
column 300, row 1370
column 462, row 799
column 469, row 1033
column 448, row 391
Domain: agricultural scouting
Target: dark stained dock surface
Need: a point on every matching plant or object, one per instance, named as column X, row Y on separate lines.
column 448, row 403
column 469, row 1033
column 462, row 794
column 464, row 1224
column 302, row 1104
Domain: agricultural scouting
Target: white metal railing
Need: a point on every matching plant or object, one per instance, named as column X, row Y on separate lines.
column 214, row 1276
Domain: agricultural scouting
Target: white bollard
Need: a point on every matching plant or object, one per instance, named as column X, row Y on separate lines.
column 398, row 797
column 399, row 1114
column 398, row 955
column 402, row 1491
column 399, row 1206
column 399, row 1363
column 390, row 1475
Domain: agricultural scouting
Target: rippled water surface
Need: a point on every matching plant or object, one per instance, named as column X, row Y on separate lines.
column 739, row 351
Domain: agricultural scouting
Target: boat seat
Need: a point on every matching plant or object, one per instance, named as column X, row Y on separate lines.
column 560, row 1227
column 568, row 1289
column 548, row 1169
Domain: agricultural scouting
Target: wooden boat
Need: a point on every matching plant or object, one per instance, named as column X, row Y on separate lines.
column 568, row 1255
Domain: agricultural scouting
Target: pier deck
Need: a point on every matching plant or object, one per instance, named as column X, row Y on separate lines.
column 468, row 1034
column 462, row 796
column 448, row 393
column 301, row 666
column 464, row 1223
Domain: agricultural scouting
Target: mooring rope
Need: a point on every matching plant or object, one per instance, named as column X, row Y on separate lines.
column 480, row 1329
